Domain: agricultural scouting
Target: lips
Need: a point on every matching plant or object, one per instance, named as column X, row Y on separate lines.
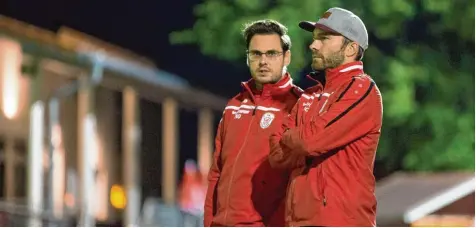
column 316, row 55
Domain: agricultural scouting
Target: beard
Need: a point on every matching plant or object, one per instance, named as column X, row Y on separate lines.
column 268, row 77
column 332, row 61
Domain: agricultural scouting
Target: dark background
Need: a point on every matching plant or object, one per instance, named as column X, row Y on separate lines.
column 142, row 27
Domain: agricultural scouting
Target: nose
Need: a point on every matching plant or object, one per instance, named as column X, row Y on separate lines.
column 262, row 60
column 315, row 45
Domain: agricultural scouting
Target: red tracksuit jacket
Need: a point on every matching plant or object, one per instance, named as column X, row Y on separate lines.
column 243, row 189
column 331, row 146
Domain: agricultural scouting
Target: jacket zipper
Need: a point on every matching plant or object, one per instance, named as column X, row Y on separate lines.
column 322, row 186
column 234, row 164
column 300, row 122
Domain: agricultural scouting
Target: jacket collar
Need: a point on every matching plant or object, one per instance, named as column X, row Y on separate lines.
column 338, row 74
column 282, row 86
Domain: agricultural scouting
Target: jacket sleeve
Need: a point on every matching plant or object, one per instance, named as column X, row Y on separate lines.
column 213, row 176
column 279, row 156
column 356, row 112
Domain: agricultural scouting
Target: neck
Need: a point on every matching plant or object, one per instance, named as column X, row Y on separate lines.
column 258, row 86
column 349, row 60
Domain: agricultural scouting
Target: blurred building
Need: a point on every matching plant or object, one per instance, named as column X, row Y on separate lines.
column 426, row 199
column 106, row 98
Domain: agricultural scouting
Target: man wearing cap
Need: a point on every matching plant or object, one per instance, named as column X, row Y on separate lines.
column 331, row 136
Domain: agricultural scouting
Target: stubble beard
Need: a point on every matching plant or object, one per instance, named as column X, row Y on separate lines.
column 334, row 60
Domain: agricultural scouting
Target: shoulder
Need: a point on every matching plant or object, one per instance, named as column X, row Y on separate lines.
column 366, row 82
column 297, row 91
column 238, row 99
column 359, row 83
column 368, row 79
column 310, row 92
column 233, row 103
column 293, row 95
column 356, row 88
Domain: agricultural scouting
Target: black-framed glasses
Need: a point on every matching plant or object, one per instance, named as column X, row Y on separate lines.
column 256, row 55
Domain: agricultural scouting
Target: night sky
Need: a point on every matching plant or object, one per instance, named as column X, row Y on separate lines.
column 140, row 26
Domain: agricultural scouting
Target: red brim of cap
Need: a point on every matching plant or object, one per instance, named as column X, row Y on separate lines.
column 310, row 26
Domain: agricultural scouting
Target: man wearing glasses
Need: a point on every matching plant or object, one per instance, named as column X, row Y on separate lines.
column 243, row 189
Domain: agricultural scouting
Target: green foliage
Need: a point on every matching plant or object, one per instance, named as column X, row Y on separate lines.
column 421, row 55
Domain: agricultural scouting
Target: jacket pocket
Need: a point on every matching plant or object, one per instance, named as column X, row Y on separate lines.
column 306, row 199
column 316, row 181
column 268, row 189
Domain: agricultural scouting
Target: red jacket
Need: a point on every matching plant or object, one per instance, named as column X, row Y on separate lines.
column 243, row 189
column 331, row 146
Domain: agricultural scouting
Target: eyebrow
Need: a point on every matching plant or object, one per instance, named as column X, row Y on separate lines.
column 254, row 50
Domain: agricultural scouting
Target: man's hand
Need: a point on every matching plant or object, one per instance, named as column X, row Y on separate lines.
column 275, row 138
column 274, row 146
column 280, row 156
column 292, row 139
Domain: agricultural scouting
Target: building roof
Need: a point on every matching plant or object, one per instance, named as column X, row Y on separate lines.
column 70, row 49
column 406, row 197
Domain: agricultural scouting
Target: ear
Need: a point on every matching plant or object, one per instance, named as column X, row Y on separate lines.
column 352, row 49
column 287, row 58
column 247, row 61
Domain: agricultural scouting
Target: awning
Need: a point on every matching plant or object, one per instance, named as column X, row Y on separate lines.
column 403, row 198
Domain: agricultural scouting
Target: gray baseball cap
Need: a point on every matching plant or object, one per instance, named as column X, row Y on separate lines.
column 341, row 21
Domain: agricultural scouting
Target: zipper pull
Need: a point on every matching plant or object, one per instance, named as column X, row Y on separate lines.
column 254, row 110
column 324, row 201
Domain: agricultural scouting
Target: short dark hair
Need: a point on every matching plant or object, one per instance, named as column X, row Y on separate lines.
column 267, row 27
column 360, row 53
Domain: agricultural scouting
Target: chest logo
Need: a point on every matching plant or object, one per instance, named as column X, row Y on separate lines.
column 266, row 120
column 306, row 106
